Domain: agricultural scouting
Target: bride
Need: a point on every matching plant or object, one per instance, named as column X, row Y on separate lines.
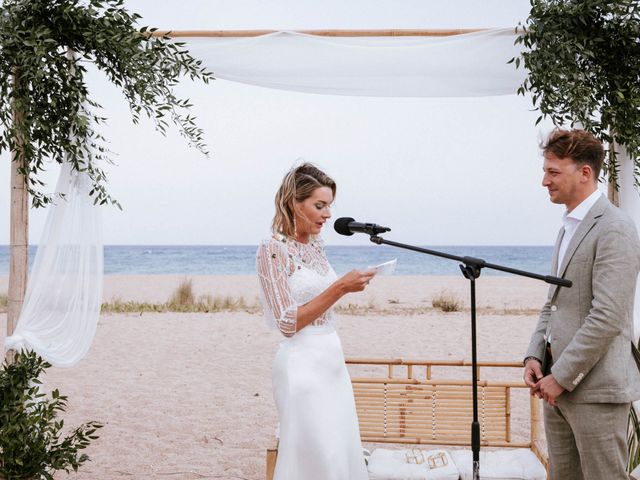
column 319, row 434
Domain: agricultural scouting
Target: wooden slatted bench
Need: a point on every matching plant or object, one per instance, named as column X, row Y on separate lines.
column 402, row 402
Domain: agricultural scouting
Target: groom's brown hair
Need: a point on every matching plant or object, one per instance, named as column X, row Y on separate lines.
column 579, row 145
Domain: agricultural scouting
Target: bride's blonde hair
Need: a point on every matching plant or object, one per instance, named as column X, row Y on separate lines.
column 297, row 185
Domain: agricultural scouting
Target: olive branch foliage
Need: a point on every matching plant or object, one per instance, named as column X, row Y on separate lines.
column 31, row 441
column 46, row 111
column 583, row 63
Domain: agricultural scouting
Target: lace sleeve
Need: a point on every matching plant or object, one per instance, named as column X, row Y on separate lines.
column 273, row 265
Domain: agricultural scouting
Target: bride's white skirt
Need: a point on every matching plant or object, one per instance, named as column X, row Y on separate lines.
column 319, row 433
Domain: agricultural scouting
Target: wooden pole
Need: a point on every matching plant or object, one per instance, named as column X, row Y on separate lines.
column 19, row 230
column 612, row 193
column 323, row 33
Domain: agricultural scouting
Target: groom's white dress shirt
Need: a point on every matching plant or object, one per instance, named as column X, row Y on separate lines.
column 571, row 221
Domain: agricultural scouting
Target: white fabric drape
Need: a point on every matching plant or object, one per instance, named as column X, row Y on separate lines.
column 60, row 313
column 630, row 203
column 468, row 65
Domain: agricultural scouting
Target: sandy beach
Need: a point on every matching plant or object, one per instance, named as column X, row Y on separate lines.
column 188, row 395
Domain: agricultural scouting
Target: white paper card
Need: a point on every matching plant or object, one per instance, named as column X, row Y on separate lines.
column 386, row 268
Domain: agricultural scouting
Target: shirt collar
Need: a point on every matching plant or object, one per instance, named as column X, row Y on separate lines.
column 578, row 213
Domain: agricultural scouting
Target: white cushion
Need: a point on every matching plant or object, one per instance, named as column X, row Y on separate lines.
column 503, row 464
column 392, row 465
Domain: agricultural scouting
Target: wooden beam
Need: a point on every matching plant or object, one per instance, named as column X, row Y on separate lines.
column 323, row 33
column 19, row 234
column 612, row 192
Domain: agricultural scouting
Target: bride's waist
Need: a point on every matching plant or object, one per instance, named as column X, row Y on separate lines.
column 311, row 330
column 326, row 317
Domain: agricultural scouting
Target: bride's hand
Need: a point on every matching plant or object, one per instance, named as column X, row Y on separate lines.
column 356, row 280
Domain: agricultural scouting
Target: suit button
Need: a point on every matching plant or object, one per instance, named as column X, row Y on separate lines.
column 554, row 308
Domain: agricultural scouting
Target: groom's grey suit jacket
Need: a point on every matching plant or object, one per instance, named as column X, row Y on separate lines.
column 590, row 325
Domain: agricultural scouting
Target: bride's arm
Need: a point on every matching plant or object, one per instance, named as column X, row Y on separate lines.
column 274, row 267
column 354, row 281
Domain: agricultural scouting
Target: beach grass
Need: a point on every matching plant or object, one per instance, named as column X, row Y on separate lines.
column 183, row 295
column 183, row 299
column 215, row 304
column 447, row 302
column 202, row 304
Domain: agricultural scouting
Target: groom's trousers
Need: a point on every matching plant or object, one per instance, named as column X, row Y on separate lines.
column 587, row 441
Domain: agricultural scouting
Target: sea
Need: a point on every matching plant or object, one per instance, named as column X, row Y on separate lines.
column 240, row 259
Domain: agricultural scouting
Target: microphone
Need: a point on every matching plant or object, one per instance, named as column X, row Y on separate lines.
column 347, row 226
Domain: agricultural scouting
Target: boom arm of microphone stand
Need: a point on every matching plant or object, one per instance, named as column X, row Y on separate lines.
column 562, row 282
column 478, row 263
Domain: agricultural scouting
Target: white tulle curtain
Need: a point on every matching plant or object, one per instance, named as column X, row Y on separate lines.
column 64, row 292
column 468, row 65
column 630, row 203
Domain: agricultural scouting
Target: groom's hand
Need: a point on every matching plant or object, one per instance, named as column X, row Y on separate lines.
column 550, row 390
column 532, row 375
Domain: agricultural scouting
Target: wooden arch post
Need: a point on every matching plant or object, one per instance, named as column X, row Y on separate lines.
column 19, row 232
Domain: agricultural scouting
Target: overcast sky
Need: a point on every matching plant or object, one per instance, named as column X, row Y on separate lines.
column 462, row 171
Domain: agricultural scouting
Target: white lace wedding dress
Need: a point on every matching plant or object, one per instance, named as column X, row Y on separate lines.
column 319, row 434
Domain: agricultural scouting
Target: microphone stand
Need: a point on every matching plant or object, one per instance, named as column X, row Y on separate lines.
column 471, row 268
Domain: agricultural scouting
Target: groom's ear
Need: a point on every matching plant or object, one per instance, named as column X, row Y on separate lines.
column 586, row 173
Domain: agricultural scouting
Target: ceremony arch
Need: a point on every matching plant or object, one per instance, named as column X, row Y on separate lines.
column 453, row 63
column 386, row 63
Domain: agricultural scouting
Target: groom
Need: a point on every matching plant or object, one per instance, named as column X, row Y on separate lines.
column 585, row 332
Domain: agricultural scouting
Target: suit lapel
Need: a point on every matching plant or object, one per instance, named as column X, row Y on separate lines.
column 585, row 226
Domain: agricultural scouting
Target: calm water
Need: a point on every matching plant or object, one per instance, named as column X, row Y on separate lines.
column 240, row 259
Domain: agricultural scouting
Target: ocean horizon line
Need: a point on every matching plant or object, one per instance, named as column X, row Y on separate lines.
column 496, row 245
column 156, row 259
